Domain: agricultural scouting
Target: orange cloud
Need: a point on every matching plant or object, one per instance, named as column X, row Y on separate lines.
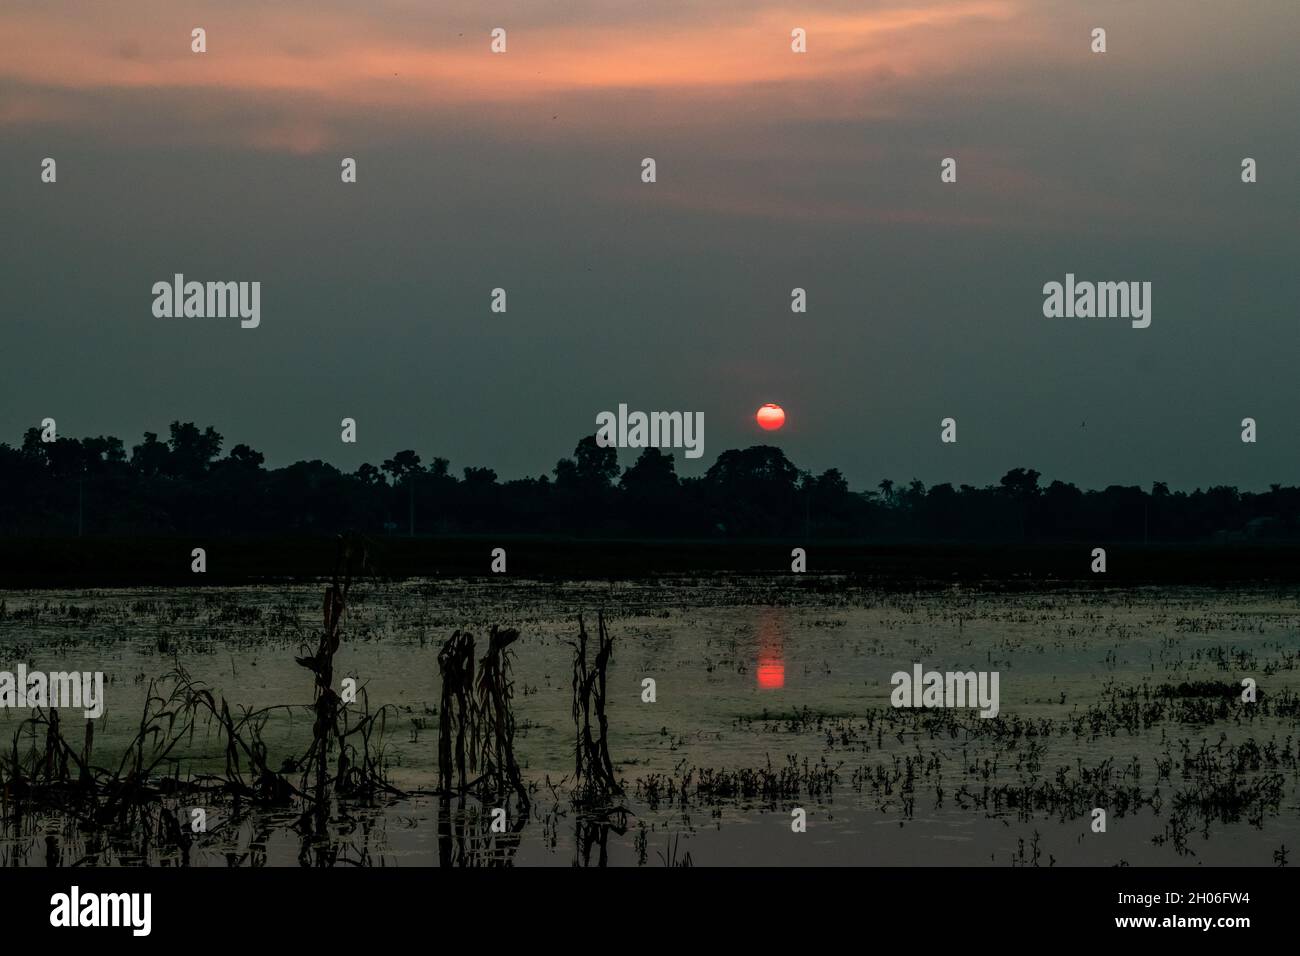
column 355, row 59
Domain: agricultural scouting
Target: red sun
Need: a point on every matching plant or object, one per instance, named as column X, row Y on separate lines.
column 770, row 417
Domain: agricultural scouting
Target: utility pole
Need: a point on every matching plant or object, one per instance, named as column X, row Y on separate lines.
column 410, row 482
column 81, row 495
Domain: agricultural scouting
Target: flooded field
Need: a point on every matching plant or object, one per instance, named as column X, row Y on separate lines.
column 770, row 695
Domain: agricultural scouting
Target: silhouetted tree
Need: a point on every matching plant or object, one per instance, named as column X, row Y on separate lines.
column 651, row 493
column 192, row 451
column 181, row 486
column 244, row 457
column 401, row 465
column 152, row 457
column 584, row 485
column 1020, row 486
column 753, row 491
column 597, row 467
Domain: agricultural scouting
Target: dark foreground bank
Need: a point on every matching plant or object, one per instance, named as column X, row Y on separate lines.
column 125, row 562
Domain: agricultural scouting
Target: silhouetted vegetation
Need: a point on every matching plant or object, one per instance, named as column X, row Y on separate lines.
column 182, row 485
column 140, row 809
column 593, row 773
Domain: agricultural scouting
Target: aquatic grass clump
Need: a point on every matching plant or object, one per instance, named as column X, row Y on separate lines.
column 137, row 805
column 355, row 773
column 495, row 719
column 476, row 726
column 594, row 780
column 456, row 665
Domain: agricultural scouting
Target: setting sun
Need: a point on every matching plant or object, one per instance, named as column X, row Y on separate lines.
column 770, row 417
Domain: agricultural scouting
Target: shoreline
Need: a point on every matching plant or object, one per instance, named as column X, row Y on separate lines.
column 51, row 563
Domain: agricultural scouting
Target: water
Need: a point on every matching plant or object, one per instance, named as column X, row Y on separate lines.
column 749, row 674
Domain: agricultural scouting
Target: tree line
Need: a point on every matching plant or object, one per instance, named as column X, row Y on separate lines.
column 183, row 485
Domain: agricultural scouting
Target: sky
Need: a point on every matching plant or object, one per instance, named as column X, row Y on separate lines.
column 775, row 170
